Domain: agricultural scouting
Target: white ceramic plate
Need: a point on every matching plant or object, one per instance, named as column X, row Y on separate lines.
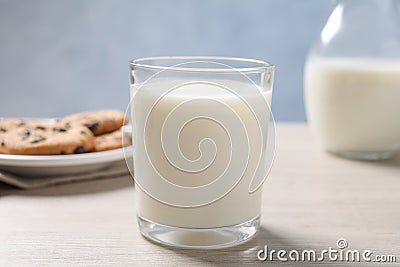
column 62, row 164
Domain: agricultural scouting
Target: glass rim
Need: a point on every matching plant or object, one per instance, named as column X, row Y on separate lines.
column 259, row 65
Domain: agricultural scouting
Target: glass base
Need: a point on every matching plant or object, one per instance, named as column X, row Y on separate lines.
column 364, row 155
column 209, row 238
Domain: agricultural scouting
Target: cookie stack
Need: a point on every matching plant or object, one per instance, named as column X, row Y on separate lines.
column 74, row 134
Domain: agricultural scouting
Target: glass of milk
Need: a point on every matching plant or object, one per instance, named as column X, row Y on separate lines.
column 200, row 134
column 352, row 80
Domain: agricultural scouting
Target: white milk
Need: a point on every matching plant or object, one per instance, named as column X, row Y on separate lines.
column 354, row 105
column 238, row 205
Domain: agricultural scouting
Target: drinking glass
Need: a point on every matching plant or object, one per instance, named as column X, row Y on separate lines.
column 200, row 132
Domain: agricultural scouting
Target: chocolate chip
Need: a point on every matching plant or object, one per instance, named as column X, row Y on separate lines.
column 93, row 126
column 21, row 123
column 3, row 130
column 59, row 129
column 62, row 152
column 79, row 150
column 83, row 132
column 40, row 127
column 25, row 134
column 38, row 139
column 3, row 142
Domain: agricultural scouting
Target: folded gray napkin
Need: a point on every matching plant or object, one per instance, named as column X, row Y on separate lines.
column 117, row 170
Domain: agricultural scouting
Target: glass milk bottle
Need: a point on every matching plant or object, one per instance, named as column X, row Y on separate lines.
column 352, row 80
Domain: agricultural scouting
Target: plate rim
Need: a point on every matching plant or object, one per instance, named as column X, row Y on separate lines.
column 63, row 160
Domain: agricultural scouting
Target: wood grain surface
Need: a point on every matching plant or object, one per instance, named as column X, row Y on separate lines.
column 310, row 200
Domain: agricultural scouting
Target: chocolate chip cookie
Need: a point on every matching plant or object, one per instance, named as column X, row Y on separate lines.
column 110, row 141
column 44, row 138
column 99, row 122
column 9, row 124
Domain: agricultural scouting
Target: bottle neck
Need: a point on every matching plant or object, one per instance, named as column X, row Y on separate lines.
column 378, row 5
column 383, row 12
column 362, row 28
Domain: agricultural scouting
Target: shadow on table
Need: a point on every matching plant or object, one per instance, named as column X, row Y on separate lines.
column 390, row 163
column 76, row 188
column 245, row 254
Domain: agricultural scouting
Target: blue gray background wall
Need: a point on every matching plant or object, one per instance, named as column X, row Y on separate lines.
column 58, row 57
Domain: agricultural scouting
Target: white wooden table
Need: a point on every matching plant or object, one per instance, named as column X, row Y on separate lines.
column 311, row 199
